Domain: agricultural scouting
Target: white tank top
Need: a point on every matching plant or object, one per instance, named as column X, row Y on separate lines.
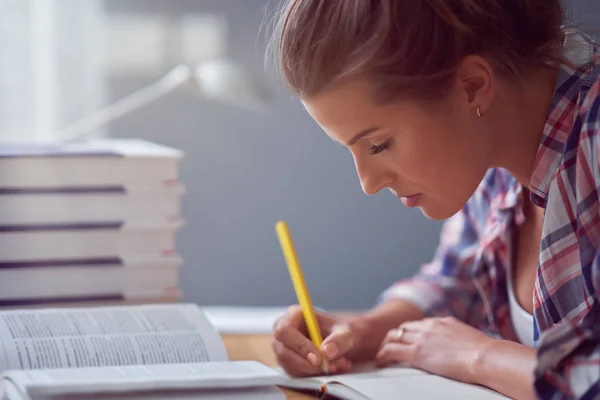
column 521, row 319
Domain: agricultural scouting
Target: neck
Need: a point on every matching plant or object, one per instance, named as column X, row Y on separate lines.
column 520, row 123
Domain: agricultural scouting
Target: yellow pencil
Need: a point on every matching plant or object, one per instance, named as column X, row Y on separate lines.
column 291, row 259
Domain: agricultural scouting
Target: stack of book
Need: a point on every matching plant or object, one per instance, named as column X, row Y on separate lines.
column 89, row 222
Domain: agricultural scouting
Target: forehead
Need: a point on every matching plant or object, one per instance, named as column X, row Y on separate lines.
column 344, row 110
column 334, row 102
column 349, row 108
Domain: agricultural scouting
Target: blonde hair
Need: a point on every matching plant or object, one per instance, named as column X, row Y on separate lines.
column 409, row 48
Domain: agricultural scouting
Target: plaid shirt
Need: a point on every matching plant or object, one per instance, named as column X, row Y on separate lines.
column 467, row 277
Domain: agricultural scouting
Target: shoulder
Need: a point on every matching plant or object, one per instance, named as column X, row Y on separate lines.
column 587, row 129
column 589, row 112
column 576, row 185
column 589, row 104
column 576, row 113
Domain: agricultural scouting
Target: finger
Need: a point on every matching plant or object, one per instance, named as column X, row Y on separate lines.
column 418, row 325
column 287, row 331
column 342, row 365
column 291, row 337
column 295, row 317
column 338, row 366
column 339, row 342
column 394, row 336
column 394, row 353
column 401, row 335
column 294, row 364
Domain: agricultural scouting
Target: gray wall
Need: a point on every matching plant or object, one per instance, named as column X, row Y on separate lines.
column 585, row 13
column 244, row 171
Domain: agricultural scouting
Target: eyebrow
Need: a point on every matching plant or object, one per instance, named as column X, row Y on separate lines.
column 361, row 135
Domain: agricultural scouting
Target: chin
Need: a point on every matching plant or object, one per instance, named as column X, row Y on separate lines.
column 439, row 212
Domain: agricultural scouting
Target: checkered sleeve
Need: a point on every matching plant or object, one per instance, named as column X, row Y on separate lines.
column 568, row 364
column 443, row 287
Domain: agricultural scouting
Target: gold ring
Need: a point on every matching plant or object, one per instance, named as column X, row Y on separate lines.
column 399, row 334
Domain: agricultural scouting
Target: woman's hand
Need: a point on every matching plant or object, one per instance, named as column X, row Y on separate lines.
column 297, row 354
column 442, row 346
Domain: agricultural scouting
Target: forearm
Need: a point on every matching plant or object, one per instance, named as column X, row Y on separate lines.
column 506, row 367
column 372, row 326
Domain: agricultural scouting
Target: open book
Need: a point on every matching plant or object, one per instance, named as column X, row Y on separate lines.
column 168, row 351
column 149, row 351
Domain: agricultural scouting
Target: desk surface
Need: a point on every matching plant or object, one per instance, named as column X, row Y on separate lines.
column 257, row 348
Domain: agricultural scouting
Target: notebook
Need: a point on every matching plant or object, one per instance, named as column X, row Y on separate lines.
column 395, row 382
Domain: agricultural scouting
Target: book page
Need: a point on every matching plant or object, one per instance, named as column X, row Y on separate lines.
column 394, row 382
column 107, row 336
column 342, row 385
column 141, row 380
column 11, row 392
column 254, row 393
column 415, row 387
column 366, row 370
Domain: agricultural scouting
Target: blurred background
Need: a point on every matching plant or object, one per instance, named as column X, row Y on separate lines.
column 243, row 168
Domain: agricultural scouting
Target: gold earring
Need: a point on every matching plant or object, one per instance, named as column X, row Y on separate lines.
column 479, row 111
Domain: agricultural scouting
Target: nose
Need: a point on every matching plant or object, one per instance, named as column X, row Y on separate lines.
column 372, row 179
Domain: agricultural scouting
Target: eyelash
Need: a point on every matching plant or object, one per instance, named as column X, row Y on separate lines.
column 380, row 147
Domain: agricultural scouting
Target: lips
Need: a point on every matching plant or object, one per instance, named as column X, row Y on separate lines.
column 411, row 200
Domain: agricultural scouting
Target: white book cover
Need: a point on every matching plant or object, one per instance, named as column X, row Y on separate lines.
column 167, row 296
column 154, row 296
column 158, row 203
column 97, row 162
column 95, row 147
column 81, row 241
column 26, row 281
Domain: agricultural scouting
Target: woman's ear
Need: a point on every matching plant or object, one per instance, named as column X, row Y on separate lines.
column 475, row 80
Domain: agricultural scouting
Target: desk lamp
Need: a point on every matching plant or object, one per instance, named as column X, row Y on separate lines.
column 218, row 80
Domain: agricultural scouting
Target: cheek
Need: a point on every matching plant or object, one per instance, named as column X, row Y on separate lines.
column 421, row 158
column 449, row 166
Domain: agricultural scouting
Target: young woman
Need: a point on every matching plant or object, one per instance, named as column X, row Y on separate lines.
column 485, row 113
